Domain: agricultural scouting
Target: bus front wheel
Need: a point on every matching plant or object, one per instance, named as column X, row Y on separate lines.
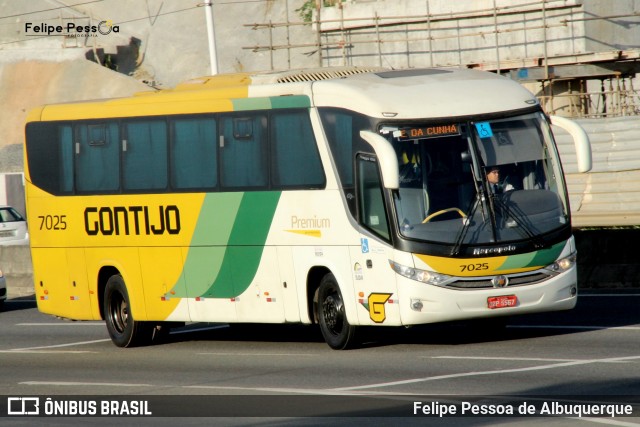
column 332, row 317
column 124, row 330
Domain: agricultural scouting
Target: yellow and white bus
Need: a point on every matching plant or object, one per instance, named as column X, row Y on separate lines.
column 341, row 197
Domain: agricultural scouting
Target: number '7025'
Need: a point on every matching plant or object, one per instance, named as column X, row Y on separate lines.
column 474, row 267
column 53, row 222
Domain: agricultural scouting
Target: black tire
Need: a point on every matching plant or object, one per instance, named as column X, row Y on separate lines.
column 332, row 317
column 124, row 330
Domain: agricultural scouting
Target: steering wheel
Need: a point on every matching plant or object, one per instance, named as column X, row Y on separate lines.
column 444, row 211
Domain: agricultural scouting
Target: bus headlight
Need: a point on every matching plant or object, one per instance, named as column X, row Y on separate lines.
column 424, row 276
column 563, row 264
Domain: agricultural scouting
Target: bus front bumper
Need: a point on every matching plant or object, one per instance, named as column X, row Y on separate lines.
column 422, row 303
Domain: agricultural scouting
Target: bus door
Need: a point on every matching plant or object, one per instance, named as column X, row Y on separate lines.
column 374, row 280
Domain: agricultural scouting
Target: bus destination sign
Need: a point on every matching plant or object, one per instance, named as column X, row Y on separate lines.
column 427, row 132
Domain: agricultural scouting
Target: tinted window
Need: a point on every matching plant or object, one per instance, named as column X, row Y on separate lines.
column 371, row 198
column 45, row 156
column 243, row 151
column 295, row 157
column 97, row 154
column 262, row 150
column 342, row 128
column 194, row 153
column 145, row 155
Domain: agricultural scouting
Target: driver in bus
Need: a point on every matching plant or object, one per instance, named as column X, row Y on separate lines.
column 493, row 178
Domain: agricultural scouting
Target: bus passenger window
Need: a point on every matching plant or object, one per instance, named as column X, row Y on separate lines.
column 97, row 157
column 194, row 153
column 295, row 161
column 145, row 155
column 65, row 138
column 243, row 151
column 371, row 199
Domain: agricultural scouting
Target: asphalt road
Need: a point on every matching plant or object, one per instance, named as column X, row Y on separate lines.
column 280, row 373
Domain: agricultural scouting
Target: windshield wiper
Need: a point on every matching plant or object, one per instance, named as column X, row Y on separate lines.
column 518, row 218
column 466, row 225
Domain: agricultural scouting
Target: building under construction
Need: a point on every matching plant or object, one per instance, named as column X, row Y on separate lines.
column 579, row 57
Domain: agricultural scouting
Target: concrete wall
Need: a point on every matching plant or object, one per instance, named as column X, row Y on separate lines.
column 15, row 263
column 27, row 84
column 171, row 35
column 615, row 33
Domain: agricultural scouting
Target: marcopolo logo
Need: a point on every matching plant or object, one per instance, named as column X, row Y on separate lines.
column 71, row 29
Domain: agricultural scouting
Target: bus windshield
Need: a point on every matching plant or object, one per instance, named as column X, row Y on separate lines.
column 476, row 183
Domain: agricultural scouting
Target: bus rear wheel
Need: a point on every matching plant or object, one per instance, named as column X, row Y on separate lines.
column 123, row 329
column 332, row 317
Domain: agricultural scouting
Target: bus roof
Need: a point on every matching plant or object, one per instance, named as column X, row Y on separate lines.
column 432, row 93
column 377, row 92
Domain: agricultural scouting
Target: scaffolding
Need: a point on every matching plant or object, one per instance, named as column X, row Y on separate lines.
column 583, row 84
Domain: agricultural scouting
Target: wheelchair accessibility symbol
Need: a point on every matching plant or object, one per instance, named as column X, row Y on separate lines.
column 365, row 245
column 484, row 130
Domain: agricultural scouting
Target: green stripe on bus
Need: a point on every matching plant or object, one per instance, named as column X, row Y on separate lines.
column 540, row 258
column 226, row 269
column 254, row 218
column 293, row 101
column 246, row 244
column 216, row 219
column 547, row 256
column 245, row 104
column 298, row 101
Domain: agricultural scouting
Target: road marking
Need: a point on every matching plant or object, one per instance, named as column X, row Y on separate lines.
column 48, row 351
column 608, row 295
column 525, row 359
column 62, row 324
column 606, row 421
column 481, row 373
column 581, row 327
column 47, row 347
column 259, row 354
column 75, row 384
column 532, row 359
column 314, row 391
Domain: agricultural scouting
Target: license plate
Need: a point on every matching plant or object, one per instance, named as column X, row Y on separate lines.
column 502, row 301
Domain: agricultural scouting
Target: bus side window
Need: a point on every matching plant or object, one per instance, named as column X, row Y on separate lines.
column 97, row 155
column 145, row 155
column 371, row 200
column 295, row 161
column 194, row 153
column 65, row 138
column 243, row 151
